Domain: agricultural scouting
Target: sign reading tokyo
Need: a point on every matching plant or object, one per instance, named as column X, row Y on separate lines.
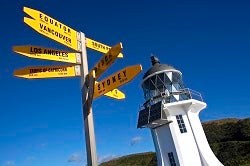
column 51, row 28
column 48, row 72
column 48, row 54
column 107, row 60
column 119, row 78
column 97, row 46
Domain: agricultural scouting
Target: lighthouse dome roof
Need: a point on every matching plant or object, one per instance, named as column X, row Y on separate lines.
column 157, row 67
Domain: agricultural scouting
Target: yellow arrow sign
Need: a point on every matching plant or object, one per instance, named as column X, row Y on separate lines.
column 107, row 60
column 48, row 72
column 51, row 28
column 119, row 78
column 100, row 47
column 48, row 54
column 115, row 93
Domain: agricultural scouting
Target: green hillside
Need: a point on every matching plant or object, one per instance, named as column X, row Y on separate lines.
column 228, row 138
column 139, row 159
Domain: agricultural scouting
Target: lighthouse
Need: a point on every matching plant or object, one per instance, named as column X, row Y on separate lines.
column 171, row 112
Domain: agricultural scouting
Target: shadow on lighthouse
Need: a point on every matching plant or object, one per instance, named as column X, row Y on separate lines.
column 171, row 112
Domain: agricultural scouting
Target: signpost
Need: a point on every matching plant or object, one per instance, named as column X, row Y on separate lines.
column 87, row 108
column 48, row 54
column 91, row 89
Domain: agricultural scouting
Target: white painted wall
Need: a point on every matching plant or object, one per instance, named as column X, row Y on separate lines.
column 163, row 145
column 190, row 148
column 185, row 144
column 207, row 155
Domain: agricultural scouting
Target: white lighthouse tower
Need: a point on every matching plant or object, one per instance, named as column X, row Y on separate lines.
column 171, row 112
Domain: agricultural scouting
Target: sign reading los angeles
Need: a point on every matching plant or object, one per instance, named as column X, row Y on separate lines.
column 107, row 60
column 48, row 72
column 97, row 46
column 119, row 78
column 51, row 28
column 48, row 54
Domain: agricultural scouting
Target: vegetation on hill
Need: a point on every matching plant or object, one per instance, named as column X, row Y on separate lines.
column 139, row 159
column 228, row 138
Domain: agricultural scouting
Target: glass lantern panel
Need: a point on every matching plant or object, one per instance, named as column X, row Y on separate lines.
column 152, row 82
column 160, row 82
column 146, row 89
column 167, row 80
column 177, row 81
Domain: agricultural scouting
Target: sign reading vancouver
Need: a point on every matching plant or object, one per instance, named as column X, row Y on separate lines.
column 51, row 28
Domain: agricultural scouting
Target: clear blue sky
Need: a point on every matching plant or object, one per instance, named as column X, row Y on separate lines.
column 41, row 120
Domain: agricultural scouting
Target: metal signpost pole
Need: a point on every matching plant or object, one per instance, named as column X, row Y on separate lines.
column 87, row 108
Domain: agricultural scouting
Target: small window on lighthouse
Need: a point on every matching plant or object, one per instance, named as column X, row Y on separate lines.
column 171, row 159
column 181, row 124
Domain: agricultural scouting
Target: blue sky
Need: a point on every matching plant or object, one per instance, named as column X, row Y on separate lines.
column 41, row 120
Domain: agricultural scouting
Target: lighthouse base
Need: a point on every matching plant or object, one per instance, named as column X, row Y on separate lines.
column 182, row 142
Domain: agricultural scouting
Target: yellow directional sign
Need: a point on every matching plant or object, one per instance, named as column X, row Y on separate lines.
column 48, row 72
column 119, row 78
column 115, row 93
column 48, row 54
column 51, row 28
column 107, row 60
column 97, row 46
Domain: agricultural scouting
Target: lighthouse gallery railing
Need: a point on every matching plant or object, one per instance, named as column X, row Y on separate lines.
column 151, row 112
